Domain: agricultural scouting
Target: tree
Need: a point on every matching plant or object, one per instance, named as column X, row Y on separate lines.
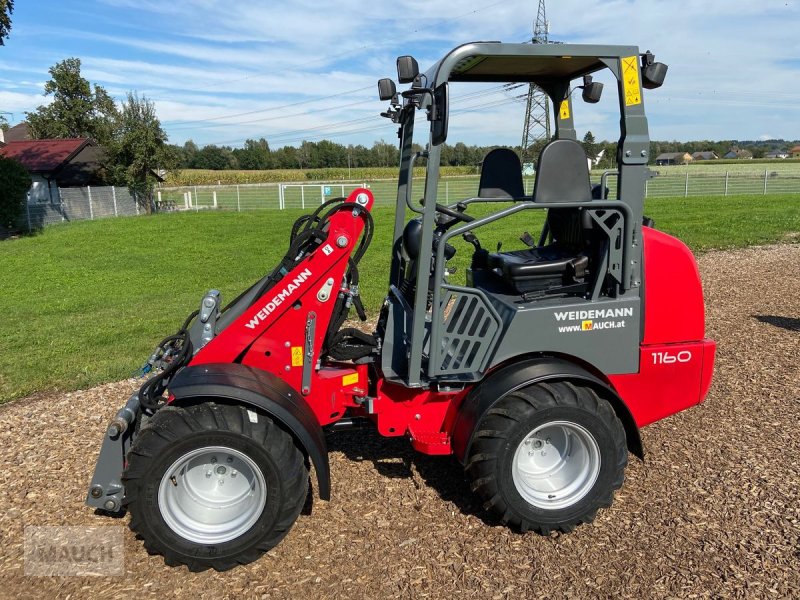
column 4, row 123
column 6, row 8
column 138, row 149
column 215, row 158
column 590, row 146
column 14, row 185
column 77, row 110
column 254, row 156
column 189, row 153
column 384, row 155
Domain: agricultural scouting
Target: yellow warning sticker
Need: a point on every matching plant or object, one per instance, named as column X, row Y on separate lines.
column 564, row 110
column 630, row 80
column 297, row 356
column 350, row 379
column 587, row 325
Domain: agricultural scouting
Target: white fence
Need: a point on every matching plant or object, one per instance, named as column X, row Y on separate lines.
column 75, row 204
column 283, row 196
column 79, row 204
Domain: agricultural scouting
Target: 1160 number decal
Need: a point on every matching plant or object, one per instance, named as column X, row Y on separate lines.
column 668, row 358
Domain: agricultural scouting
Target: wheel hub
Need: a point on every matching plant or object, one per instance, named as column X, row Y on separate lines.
column 210, row 503
column 556, row 465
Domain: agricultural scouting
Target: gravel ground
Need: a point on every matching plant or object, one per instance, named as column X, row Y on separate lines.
column 713, row 512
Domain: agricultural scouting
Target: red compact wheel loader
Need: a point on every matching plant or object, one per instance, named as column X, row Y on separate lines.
column 536, row 373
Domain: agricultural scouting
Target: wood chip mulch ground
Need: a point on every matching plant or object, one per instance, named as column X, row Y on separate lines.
column 713, row 512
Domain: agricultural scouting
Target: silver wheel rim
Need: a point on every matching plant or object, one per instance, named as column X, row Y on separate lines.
column 212, row 495
column 556, row 465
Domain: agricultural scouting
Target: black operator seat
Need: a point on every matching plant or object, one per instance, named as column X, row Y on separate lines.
column 501, row 175
column 562, row 175
column 501, row 178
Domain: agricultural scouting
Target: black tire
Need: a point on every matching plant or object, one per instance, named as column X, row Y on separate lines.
column 511, row 421
column 172, row 433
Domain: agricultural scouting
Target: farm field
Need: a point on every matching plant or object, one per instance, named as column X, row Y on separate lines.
column 704, row 516
column 189, row 177
column 89, row 300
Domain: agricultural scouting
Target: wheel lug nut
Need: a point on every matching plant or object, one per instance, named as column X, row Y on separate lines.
column 221, row 481
column 208, row 473
column 233, row 472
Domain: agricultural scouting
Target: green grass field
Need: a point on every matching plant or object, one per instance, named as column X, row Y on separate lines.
column 86, row 302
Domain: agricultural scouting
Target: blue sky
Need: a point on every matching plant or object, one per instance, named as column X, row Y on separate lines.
column 222, row 72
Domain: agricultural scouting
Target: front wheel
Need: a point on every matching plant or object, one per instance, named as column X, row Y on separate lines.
column 547, row 457
column 213, row 485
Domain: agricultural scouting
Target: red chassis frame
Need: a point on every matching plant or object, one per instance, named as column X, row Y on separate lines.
column 273, row 335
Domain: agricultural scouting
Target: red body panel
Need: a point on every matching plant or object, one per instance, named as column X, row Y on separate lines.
column 671, row 378
column 675, row 361
column 673, row 293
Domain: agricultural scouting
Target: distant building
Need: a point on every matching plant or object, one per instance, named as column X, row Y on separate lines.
column 674, row 158
column 738, row 154
column 17, row 133
column 795, row 152
column 777, row 154
column 73, row 162
column 707, row 155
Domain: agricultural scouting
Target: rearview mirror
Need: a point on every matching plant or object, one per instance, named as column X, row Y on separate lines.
column 653, row 73
column 592, row 90
column 407, row 69
column 386, row 89
column 439, row 125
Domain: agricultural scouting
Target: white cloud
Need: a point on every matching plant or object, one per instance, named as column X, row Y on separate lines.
column 201, row 59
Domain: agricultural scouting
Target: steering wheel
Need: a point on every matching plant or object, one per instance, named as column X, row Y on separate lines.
column 459, row 216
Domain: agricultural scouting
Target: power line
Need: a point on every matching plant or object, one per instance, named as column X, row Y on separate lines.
column 274, row 118
column 274, row 108
column 324, row 131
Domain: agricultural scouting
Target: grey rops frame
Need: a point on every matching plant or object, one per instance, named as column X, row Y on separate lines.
column 426, row 331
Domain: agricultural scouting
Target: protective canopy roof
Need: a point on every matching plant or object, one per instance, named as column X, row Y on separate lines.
column 534, row 63
column 523, row 68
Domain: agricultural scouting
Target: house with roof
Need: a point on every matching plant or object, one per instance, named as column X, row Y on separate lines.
column 674, row 158
column 795, row 152
column 777, row 154
column 738, row 154
column 73, row 162
column 706, row 155
column 17, row 133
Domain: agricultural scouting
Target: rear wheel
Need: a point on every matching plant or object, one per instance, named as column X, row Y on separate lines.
column 547, row 457
column 213, row 485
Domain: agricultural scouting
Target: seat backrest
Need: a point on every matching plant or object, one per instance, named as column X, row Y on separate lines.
column 501, row 175
column 562, row 173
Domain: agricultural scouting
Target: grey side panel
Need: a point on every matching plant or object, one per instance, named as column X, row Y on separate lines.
column 603, row 333
column 468, row 327
column 262, row 390
column 524, row 373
